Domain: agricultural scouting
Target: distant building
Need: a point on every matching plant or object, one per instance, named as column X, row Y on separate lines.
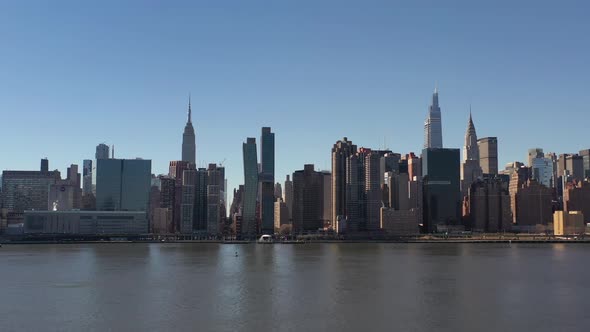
column 102, row 151
column 489, row 206
column 576, row 197
column 327, row 200
column 399, row 222
column 278, row 190
column 372, row 190
column 267, row 179
column 586, row 161
column 281, row 214
column 122, row 184
column 542, row 171
column 87, row 177
column 288, row 196
column 85, row 222
column 27, row 190
column 189, row 145
column 442, row 196
column 341, row 177
column 248, row 222
column 470, row 169
column 162, row 220
column 433, row 125
column 215, row 201
column 534, row 153
column 44, row 165
column 568, row 223
column 414, row 166
column 533, row 205
column 187, row 207
column 307, row 200
column 175, row 171
column 488, row 155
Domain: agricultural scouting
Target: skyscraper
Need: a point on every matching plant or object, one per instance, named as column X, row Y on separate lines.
column 188, row 139
column 534, row 153
column 488, row 155
column 267, row 179
column 307, row 200
column 341, row 151
column 372, row 190
column 442, row 199
column 122, row 184
column 433, row 125
column 102, row 151
column 248, row 226
column 44, row 165
column 470, row 169
column 87, row 176
column 288, row 198
column 586, row 157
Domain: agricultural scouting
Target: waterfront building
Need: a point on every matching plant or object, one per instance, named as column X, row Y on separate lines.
column 433, row 125
column 122, row 184
column 85, row 222
column 489, row 205
column 249, row 227
column 372, row 190
column 441, row 181
column 307, row 200
column 161, row 221
column 488, row 155
column 532, row 205
column 399, row 222
column 327, row 200
column 267, row 180
column 27, row 190
column 200, row 204
column 576, row 197
column 341, row 153
column 215, row 200
column 189, row 146
column 568, row 223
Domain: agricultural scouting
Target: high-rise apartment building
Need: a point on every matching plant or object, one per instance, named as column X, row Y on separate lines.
column 215, row 201
column 433, row 125
column 534, row 153
column 307, row 200
column 87, row 177
column 372, row 190
column 441, row 180
column 267, row 180
column 542, row 171
column 248, row 222
column 341, row 153
column 488, row 155
column 44, row 165
column 586, row 160
column 27, row 190
column 414, row 166
column 576, row 197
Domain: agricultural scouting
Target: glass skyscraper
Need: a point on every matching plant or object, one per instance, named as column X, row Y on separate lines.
column 121, row 184
column 267, row 179
column 250, row 188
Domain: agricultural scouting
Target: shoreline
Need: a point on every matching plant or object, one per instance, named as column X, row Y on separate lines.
column 406, row 241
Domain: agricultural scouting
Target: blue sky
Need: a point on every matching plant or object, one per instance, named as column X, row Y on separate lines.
column 74, row 74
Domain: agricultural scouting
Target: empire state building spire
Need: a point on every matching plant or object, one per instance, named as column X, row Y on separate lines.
column 188, row 138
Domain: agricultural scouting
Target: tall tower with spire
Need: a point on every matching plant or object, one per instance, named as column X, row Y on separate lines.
column 433, row 125
column 470, row 169
column 189, row 148
column 471, row 149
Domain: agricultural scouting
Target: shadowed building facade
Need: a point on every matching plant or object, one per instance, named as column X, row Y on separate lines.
column 307, row 200
column 441, row 181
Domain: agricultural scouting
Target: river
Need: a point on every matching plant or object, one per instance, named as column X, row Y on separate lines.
column 298, row 287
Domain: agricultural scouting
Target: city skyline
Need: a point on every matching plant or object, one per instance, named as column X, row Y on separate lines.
column 244, row 76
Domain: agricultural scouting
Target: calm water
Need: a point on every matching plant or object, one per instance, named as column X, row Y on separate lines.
column 312, row 287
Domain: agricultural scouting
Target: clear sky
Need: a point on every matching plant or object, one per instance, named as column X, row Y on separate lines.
column 77, row 73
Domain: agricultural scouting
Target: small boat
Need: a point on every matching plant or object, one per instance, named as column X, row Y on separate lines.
column 265, row 239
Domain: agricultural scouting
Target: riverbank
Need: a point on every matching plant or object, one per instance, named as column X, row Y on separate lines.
column 393, row 241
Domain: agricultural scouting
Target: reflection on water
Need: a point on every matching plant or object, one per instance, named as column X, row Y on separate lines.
column 344, row 287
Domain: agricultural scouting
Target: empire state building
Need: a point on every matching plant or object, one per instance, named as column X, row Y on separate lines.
column 188, row 139
column 432, row 125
